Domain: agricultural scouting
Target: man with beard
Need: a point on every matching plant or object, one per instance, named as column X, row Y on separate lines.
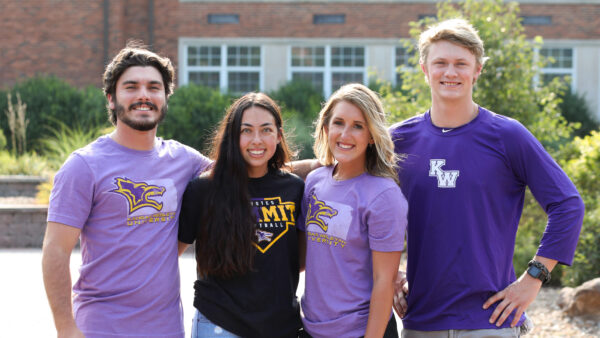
column 121, row 196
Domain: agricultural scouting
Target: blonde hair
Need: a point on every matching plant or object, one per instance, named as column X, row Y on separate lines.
column 381, row 160
column 457, row 31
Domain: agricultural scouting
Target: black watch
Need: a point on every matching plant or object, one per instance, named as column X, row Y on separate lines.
column 538, row 270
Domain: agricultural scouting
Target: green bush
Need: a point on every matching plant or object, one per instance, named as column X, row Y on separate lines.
column 194, row 112
column 300, row 103
column 574, row 108
column 49, row 100
column 26, row 164
column 2, row 140
column 581, row 161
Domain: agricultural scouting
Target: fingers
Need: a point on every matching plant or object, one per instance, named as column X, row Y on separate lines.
column 498, row 296
column 517, row 317
column 507, row 309
column 400, row 305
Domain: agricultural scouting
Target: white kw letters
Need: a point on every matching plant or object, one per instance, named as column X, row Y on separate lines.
column 445, row 178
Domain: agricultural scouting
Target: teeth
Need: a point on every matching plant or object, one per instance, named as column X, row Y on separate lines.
column 144, row 108
column 256, row 152
column 344, row 146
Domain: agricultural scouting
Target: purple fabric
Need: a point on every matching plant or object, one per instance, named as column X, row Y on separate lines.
column 126, row 204
column 465, row 188
column 345, row 221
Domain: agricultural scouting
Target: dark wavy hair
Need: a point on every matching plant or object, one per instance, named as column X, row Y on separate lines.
column 135, row 54
column 224, row 244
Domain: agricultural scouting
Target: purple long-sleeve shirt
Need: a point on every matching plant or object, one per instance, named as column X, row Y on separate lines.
column 465, row 187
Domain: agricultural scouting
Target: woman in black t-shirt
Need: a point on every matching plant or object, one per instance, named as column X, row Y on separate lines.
column 242, row 216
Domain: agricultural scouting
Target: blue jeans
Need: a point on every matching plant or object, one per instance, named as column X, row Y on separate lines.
column 204, row 328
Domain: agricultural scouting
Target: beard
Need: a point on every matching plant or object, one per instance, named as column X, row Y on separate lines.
column 143, row 125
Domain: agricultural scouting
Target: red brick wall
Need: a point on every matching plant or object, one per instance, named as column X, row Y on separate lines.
column 66, row 37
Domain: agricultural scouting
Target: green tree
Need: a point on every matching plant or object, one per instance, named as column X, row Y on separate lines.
column 194, row 112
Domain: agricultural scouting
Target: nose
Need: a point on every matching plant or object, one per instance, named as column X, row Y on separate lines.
column 256, row 137
column 143, row 94
column 450, row 71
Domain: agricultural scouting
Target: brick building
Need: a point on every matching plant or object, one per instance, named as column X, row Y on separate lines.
column 261, row 44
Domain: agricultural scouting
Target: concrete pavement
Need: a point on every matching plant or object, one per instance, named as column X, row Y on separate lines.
column 24, row 310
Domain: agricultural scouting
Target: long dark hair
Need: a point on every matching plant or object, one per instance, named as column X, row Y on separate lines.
column 224, row 244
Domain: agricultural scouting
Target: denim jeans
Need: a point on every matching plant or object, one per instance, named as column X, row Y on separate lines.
column 204, row 328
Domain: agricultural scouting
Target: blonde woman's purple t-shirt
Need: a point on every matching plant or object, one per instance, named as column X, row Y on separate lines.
column 344, row 222
column 126, row 203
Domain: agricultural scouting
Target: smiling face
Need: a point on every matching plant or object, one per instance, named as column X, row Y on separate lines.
column 259, row 137
column 140, row 100
column 451, row 71
column 348, row 137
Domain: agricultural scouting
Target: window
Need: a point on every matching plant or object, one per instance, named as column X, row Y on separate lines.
column 536, row 20
column 223, row 18
column 401, row 61
column 560, row 65
column 331, row 19
column 235, row 69
column 328, row 67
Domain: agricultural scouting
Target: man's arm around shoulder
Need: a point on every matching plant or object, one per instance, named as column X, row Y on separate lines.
column 59, row 241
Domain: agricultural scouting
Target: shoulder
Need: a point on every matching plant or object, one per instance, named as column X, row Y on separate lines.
column 289, row 177
column 504, row 125
column 319, row 173
column 407, row 125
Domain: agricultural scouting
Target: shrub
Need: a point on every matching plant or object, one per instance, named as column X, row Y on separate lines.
column 50, row 99
column 194, row 112
column 300, row 103
column 574, row 108
column 2, row 140
column 581, row 161
column 26, row 164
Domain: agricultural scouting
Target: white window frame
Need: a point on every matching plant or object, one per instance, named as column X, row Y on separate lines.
column 327, row 70
column 223, row 69
column 571, row 72
column 395, row 66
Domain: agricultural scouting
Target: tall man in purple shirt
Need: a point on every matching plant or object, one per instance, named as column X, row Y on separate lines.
column 121, row 196
column 465, row 175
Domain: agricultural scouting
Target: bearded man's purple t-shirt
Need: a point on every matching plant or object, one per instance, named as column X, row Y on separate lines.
column 126, row 203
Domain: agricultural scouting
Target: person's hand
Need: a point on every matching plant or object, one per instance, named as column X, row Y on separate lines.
column 400, row 292
column 514, row 298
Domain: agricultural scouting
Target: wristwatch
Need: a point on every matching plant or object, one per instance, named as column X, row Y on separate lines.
column 538, row 270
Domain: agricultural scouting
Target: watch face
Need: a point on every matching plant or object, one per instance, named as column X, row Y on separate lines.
column 534, row 271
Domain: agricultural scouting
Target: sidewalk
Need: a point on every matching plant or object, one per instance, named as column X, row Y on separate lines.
column 24, row 310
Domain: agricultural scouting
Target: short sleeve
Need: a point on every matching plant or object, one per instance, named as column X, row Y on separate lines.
column 72, row 194
column 386, row 220
column 190, row 214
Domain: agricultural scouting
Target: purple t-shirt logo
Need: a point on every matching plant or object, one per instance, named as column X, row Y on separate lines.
column 138, row 193
column 445, row 178
column 318, row 209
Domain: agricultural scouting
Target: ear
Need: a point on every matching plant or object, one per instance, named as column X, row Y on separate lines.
column 279, row 135
column 424, row 70
column 478, row 70
column 111, row 104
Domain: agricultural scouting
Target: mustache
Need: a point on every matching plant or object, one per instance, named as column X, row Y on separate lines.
column 139, row 104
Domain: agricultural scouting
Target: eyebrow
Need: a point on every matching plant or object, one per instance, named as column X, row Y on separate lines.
column 262, row 125
column 355, row 121
column 137, row 82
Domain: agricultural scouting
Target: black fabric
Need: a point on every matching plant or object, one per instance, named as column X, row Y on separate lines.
column 263, row 302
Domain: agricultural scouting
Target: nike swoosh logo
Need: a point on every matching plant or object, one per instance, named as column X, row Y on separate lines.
column 445, row 130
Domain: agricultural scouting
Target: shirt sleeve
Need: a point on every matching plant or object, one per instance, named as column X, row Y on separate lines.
column 553, row 190
column 386, row 220
column 72, row 194
column 190, row 214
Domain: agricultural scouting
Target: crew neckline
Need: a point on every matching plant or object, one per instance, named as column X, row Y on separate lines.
column 449, row 132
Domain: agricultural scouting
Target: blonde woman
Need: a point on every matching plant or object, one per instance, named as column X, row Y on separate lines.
column 355, row 217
